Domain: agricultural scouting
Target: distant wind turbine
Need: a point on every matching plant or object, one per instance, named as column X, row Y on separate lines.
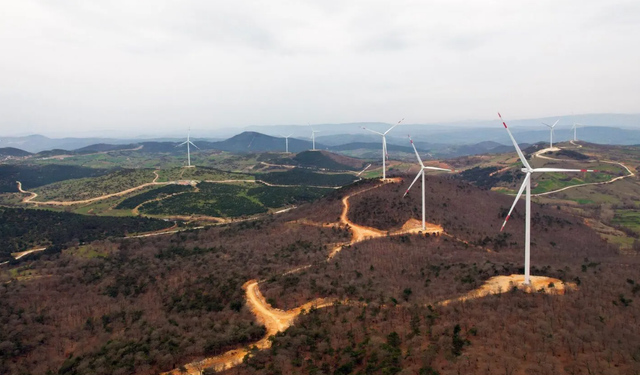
column 527, row 184
column 385, row 155
column 574, row 128
column 286, row 141
column 188, row 142
column 551, row 131
column 421, row 173
column 313, row 138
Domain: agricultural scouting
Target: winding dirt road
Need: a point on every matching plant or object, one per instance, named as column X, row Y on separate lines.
column 276, row 320
column 539, row 154
column 31, row 198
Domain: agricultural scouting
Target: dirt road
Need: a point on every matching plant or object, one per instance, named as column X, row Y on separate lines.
column 276, row 320
column 91, row 200
column 539, row 154
column 27, row 252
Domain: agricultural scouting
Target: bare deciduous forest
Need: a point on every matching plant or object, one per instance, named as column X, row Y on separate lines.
column 149, row 305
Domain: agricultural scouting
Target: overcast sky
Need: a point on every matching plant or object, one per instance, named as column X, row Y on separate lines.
column 146, row 65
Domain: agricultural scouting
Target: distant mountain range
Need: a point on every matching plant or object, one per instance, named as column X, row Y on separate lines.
column 249, row 142
column 605, row 128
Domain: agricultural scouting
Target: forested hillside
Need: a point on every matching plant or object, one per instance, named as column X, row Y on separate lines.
column 145, row 305
column 299, row 176
column 87, row 188
column 151, row 304
column 23, row 229
column 32, row 176
column 229, row 200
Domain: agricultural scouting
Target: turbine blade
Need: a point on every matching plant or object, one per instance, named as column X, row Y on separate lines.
column 417, row 155
column 194, row 145
column 183, row 143
column 289, row 135
column 414, row 181
column 555, row 123
column 520, row 154
column 547, row 125
column 391, row 128
column 373, row 131
column 524, row 184
column 437, row 169
column 542, row 170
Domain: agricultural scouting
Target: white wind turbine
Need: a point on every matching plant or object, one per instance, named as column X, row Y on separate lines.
column 313, row 138
column 551, row 131
column 188, row 142
column 421, row 173
column 527, row 184
column 574, row 128
column 286, row 140
column 385, row 155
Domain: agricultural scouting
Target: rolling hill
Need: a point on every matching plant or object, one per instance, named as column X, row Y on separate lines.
column 258, row 142
column 328, row 160
column 15, row 152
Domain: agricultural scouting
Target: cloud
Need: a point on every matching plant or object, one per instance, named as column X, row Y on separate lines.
column 148, row 65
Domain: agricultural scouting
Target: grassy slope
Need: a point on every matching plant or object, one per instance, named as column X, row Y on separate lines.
column 87, row 188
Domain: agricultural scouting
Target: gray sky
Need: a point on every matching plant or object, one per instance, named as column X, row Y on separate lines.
column 144, row 65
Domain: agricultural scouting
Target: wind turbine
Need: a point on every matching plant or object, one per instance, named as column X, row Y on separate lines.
column 286, row 140
column 421, row 173
column 574, row 128
column 188, row 142
column 527, row 184
column 551, row 131
column 313, row 138
column 385, row 155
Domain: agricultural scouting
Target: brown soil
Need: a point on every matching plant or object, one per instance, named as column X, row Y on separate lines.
column 502, row 284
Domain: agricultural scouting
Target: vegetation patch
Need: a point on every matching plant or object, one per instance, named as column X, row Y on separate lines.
column 32, row 176
column 87, row 188
column 554, row 181
column 327, row 160
column 136, row 200
column 300, row 176
column 200, row 174
column 275, row 196
column 232, row 200
column 487, row 177
column 628, row 219
column 24, row 229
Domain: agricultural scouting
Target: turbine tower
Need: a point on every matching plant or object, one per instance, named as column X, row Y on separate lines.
column 551, row 131
column 313, row 138
column 421, row 173
column 574, row 128
column 527, row 184
column 286, row 141
column 385, row 155
column 188, row 142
